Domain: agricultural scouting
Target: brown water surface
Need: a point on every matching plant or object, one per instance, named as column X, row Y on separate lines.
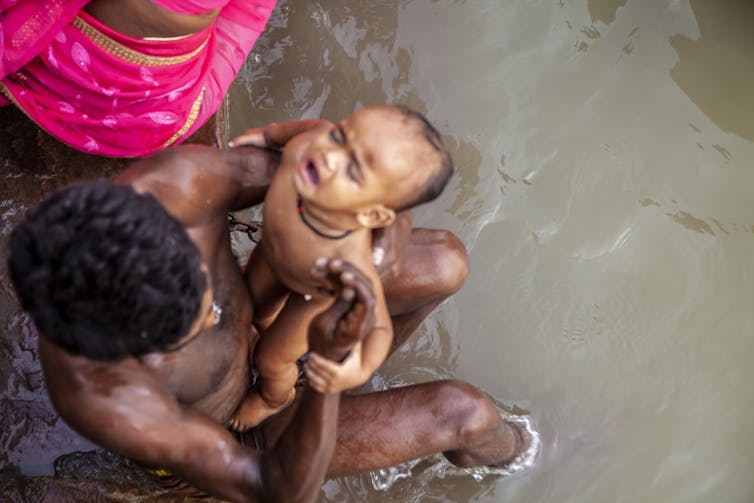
column 604, row 152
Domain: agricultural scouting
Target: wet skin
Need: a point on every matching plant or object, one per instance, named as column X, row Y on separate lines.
column 168, row 409
column 348, row 178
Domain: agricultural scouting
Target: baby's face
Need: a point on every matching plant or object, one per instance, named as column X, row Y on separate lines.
column 373, row 157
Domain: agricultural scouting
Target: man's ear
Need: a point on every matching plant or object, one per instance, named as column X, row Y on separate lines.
column 376, row 216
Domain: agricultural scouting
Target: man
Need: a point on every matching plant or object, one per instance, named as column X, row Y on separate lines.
column 145, row 324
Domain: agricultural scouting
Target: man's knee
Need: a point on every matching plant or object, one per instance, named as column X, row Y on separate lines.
column 452, row 263
column 468, row 411
column 475, row 430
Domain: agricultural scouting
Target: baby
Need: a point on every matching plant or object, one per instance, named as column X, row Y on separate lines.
column 335, row 184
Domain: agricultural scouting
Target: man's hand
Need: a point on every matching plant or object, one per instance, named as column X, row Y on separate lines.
column 350, row 318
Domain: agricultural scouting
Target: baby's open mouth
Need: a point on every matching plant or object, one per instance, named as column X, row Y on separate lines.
column 312, row 173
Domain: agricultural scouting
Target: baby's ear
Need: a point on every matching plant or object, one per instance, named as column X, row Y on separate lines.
column 376, row 216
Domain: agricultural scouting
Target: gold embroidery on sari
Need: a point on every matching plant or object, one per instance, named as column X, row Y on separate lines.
column 193, row 114
column 127, row 54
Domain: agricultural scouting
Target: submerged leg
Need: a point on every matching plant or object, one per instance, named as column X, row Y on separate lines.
column 386, row 428
column 382, row 429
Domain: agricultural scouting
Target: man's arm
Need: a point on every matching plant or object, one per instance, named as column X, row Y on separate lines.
column 331, row 375
column 332, row 333
column 121, row 407
column 196, row 183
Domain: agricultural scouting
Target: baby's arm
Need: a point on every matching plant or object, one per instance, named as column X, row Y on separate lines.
column 327, row 376
column 275, row 136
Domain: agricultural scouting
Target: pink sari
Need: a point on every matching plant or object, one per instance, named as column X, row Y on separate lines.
column 108, row 94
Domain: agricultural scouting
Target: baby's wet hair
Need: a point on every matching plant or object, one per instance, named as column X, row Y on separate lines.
column 106, row 272
column 443, row 170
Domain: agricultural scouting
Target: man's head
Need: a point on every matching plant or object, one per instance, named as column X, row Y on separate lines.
column 376, row 162
column 106, row 272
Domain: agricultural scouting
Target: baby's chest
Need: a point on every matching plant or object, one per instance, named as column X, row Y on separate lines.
column 291, row 259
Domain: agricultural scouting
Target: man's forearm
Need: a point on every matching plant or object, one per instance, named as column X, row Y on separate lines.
column 295, row 469
column 255, row 169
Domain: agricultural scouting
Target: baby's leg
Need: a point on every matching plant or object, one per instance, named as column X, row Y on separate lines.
column 258, row 407
column 268, row 294
column 275, row 357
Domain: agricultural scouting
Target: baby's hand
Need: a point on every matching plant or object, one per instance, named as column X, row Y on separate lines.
column 275, row 136
column 328, row 376
column 254, row 137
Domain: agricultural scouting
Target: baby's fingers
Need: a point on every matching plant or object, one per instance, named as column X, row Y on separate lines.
column 322, row 371
column 324, row 367
column 315, row 380
column 254, row 137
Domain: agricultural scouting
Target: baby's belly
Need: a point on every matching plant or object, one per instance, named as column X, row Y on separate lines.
column 292, row 267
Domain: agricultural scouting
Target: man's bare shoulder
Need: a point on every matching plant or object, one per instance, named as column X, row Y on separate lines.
column 101, row 399
column 194, row 182
column 121, row 407
column 168, row 162
column 74, row 381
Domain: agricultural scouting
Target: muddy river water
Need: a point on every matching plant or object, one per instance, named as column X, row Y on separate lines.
column 605, row 171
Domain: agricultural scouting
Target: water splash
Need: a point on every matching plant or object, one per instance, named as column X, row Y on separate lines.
column 440, row 467
column 524, row 460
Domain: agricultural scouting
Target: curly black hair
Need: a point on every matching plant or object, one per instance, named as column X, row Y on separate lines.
column 106, row 272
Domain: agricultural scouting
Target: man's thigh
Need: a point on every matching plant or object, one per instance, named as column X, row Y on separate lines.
column 381, row 429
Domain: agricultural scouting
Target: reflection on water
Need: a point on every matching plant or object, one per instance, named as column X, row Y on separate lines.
column 715, row 66
column 604, row 10
column 604, row 153
column 334, row 59
column 607, row 211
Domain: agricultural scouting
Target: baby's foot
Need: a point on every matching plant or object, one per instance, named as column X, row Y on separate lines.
column 254, row 410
